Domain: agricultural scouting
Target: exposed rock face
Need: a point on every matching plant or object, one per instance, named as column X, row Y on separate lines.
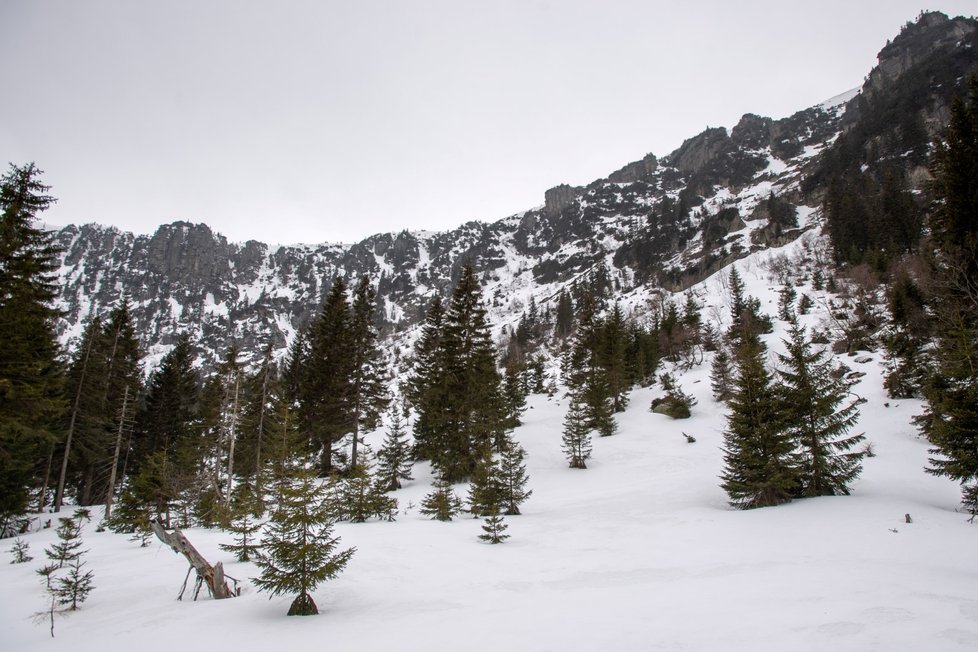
column 559, row 197
column 637, row 171
column 697, row 152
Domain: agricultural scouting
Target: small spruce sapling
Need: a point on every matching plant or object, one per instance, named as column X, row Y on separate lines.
column 513, row 478
column 395, row 454
column 441, row 504
column 576, row 440
column 299, row 549
column 485, row 490
column 494, row 527
column 69, row 542
column 72, row 590
column 20, row 551
column 246, row 510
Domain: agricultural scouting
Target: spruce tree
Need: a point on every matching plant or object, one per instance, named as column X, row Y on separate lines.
column 494, row 527
column 577, row 434
column 759, row 465
column 73, row 589
column 462, row 409
column 513, row 478
column 721, row 371
column 20, row 551
column 395, row 454
column 612, row 342
column 325, row 391
column 441, row 503
column 247, row 508
column 299, row 549
column 426, row 382
column 514, row 392
column 585, row 376
column 30, row 372
column 67, row 549
column 368, row 392
column 818, row 418
column 486, row 488
column 950, row 422
column 362, row 495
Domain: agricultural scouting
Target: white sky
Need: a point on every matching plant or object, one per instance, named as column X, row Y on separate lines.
column 312, row 121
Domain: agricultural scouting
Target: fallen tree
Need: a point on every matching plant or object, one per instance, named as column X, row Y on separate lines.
column 212, row 576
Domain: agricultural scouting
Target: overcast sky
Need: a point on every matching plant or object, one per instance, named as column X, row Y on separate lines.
column 319, row 121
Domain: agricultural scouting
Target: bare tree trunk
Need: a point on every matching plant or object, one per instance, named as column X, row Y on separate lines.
column 109, row 495
column 233, row 435
column 59, row 495
column 47, row 478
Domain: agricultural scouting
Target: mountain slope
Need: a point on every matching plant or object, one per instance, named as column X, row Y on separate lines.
column 655, row 223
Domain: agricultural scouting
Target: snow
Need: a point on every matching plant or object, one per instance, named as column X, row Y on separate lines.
column 638, row 552
column 839, row 99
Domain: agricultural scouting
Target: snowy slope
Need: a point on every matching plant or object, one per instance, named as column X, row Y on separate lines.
column 639, row 552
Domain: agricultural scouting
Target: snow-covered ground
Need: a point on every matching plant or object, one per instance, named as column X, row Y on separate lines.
column 638, row 552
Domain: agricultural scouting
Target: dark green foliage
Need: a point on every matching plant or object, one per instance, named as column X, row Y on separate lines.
column 30, row 373
column 585, row 375
column 611, row 356
column 325, row 392
column 805, row 303
column 906, row 361
column 362, row 496
column 951, row 418
column 514, row 392
column 819, row 415
column 513, row 478
column 395, row 454
column 576, row 438
column 247, row 507
column 494, row 527
column 786, row 300
column 298, row 549
column 759, row 465
column 73, row 589
column 721, row 375
column 20, row 551
column 458, row 393
column 67, row 549
column 368, row 392
column 130, row 514
column 441, row 503
column 954, row 221
column 564, row 320
column 486, row 488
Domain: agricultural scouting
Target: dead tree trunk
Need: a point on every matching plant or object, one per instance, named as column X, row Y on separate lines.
column 213, row 576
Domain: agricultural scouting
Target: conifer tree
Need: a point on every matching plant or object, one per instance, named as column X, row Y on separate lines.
column 426, row 381
column 514, row 392
column 513, row 478
column 441, row 503
column 759, row 465
column 585, row 376
column 299, row 549
column 30, row 372
column 494, row 527
column 325, row 390
column 247, row 508
column 564, row 319
column 819, row 418
column 786, row 300
column 613, row 338
column 73, row 589
column 362, row 495
column 721, row 371
column 950, row 422
column 577, row 434
column 463, row 408
column 395, row 454
column 20, row 551
column 67, row 549
column 368, row 392
column 486, row 489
